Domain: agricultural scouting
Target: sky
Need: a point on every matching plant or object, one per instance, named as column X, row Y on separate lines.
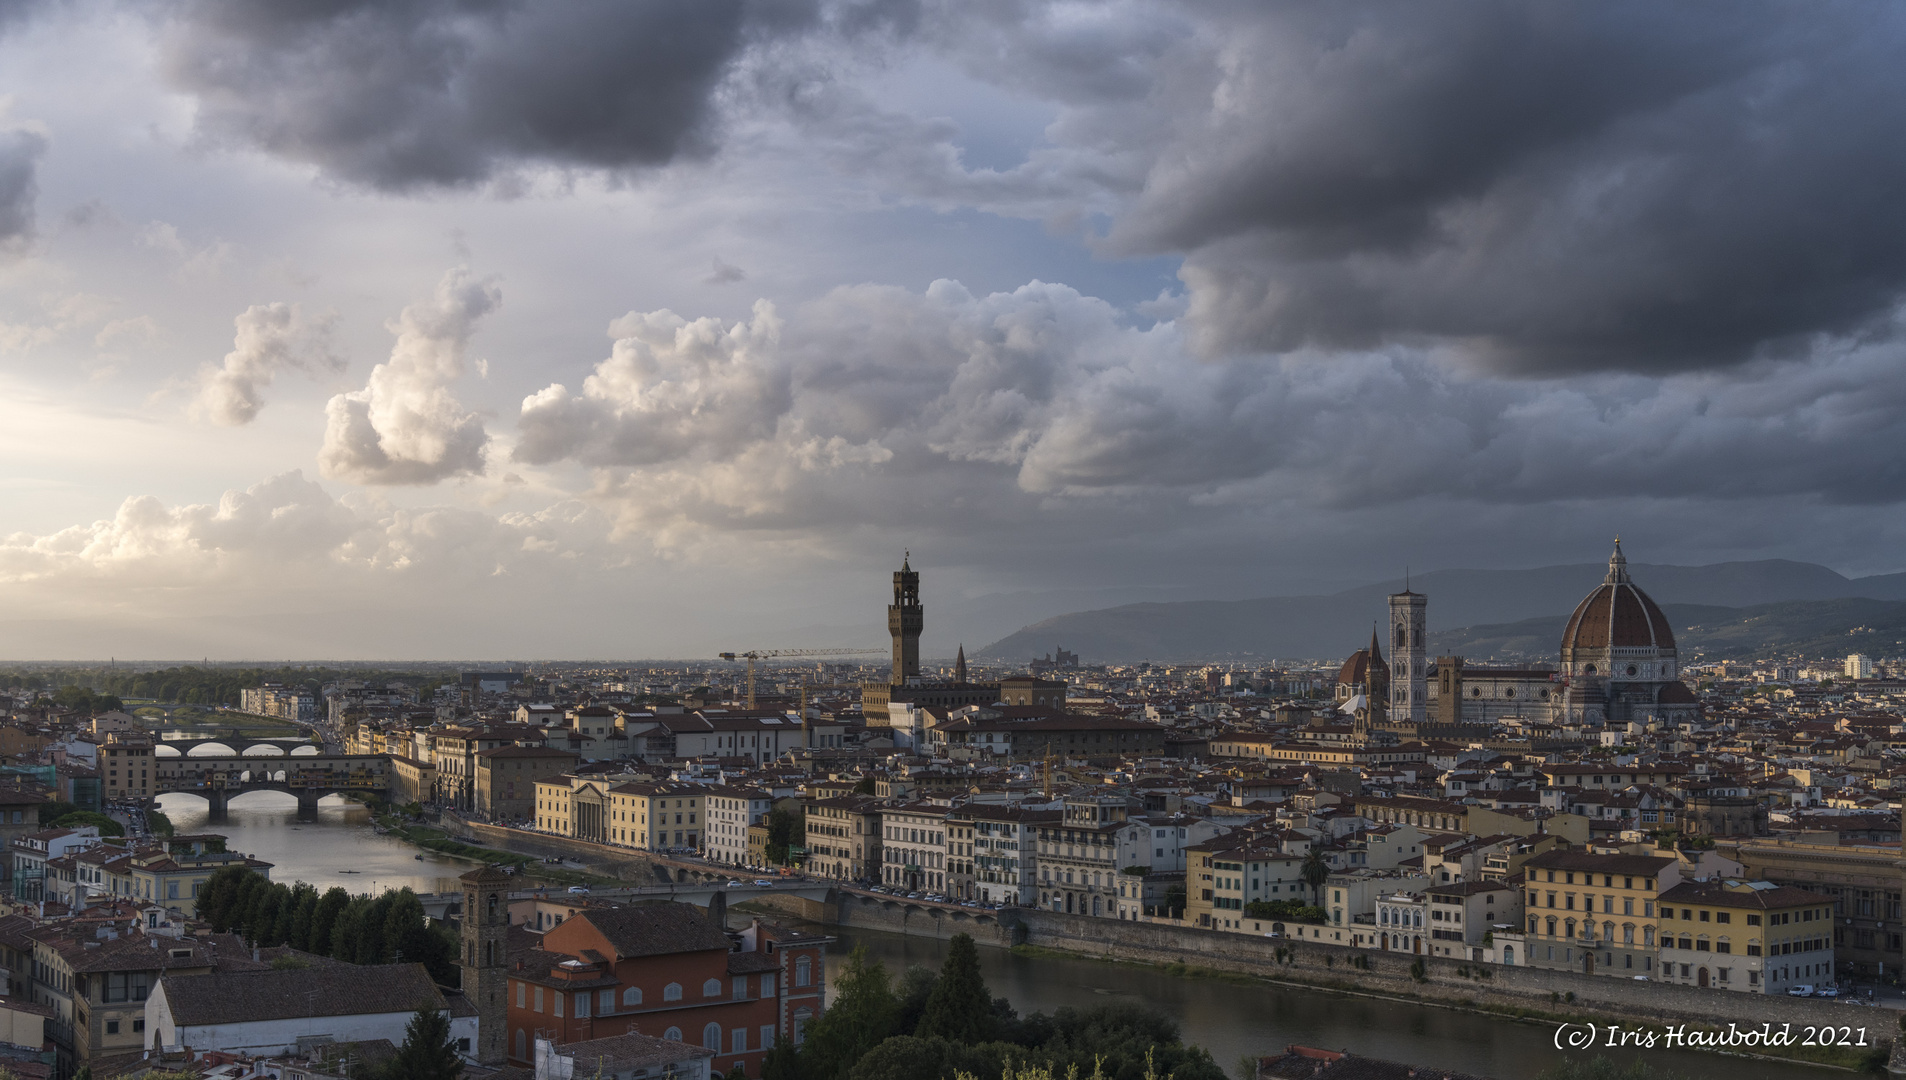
column 640, row 328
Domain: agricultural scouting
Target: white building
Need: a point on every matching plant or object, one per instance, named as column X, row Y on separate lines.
column 1006, row 852
column 913, row 847
column 730, row 811
column 1858, row 666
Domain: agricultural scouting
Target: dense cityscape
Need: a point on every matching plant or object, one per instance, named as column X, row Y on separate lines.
column 1618, row 823
column 919, row 540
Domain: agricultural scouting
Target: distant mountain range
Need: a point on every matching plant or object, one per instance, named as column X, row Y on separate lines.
column 1732, row 609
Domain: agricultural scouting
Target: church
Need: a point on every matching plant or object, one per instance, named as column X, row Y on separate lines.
column 1618, row 666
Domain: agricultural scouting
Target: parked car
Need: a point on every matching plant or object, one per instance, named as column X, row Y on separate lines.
column 1827, row 991
column 1803, row 990
column 579, row 890
column 763, row 883
column 731, row 884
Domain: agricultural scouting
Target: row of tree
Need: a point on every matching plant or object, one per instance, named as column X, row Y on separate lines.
column 189, row 684
column 938, row 1025
column 388, row 929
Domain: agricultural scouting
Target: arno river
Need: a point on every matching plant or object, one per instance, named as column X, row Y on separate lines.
column 1229, row 1019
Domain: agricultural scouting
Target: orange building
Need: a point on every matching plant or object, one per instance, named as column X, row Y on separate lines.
column 668, row 971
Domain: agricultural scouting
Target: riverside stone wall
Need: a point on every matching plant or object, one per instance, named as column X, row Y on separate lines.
column 1318, row 963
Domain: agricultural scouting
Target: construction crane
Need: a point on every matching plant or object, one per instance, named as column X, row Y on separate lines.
column 762, row 654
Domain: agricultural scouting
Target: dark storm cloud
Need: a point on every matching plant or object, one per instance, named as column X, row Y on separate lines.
column 1549, row 187
column 19, row 163
column 402, row 94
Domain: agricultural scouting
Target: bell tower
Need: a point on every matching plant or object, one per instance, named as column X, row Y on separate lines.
column 486, row 924
column 1409, row 667
column 905, row 617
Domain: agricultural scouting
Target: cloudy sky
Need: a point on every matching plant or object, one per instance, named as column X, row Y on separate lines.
column 622, row 328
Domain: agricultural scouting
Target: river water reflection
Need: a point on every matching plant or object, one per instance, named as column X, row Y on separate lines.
column 339, row 848
column 1234, row 1019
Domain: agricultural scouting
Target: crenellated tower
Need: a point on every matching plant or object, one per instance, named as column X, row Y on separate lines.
column 905, row 618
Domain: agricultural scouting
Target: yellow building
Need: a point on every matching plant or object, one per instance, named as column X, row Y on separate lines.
column 657, row 817
column 1595, row 913
column 1751, row 936
column 648, row 816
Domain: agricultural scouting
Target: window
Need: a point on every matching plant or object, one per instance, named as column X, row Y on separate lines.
column 739, row 1041
column 582, row 1003
column 138, row 1023
column 711, row 1037
column 767, row 986
column 112, row 1027
column 711, row 988
column 673, row 1034
column 672, row 992
column 520, row 993
column 803, row 972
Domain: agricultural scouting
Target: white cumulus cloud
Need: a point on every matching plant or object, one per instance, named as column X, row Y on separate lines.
column 406, row 426
column 270, row 338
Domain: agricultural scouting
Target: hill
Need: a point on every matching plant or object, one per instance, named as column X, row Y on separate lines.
column 1813, row 628
column 1498, row 612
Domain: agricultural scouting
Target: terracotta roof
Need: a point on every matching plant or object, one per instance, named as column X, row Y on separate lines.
column 654, row 929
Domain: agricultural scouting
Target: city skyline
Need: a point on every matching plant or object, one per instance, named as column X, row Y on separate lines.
column 411, row 332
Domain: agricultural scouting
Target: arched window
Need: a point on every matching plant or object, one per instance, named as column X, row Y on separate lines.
column 711, row 1037
column 632, row 995
column 1509, row 955
column 711, row 988
column 672, row 992
column 673, row 1034
column 803, row 972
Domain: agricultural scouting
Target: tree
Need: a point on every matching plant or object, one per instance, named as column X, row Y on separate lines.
column 347, row 936
column 427, row 1053
column 79, row 819
column 324, row 921
column 863, row 1014
column 1315, row 872
column 782, row 1063
column 54, row 810
column 786, row 829
column 960, row 1009
column 160, row 824
column 219, row 894
column 302, row 919
column 372, row 946
column 865, row 787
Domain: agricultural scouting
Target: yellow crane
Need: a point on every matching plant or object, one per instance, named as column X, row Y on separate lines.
column 762, row 654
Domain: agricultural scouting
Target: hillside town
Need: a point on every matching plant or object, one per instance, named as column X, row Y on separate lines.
column 1624, row 813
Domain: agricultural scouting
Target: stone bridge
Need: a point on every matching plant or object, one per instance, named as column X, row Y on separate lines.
column 259, row 765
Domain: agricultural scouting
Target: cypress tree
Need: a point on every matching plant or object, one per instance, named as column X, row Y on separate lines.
column 960, row 1009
